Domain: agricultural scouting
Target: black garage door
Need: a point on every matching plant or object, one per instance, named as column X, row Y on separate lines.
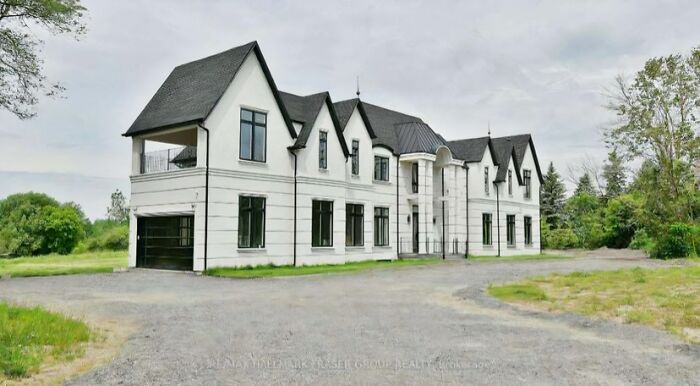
column 165, row 242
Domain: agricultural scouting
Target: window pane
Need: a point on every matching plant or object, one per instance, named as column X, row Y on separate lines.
column 260, row 118
column 246, row 138
column 246, row 115
column 259, row 148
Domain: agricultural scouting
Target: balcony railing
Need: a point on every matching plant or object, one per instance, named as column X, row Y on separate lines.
column 182, row 157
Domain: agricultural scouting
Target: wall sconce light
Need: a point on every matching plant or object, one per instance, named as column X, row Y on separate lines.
column 408, row 219
column 434, row 219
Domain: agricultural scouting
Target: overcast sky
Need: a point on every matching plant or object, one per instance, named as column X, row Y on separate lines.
column 539, row 67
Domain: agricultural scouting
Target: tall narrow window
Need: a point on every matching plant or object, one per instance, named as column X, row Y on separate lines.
column 251, row 222
column 527, row 177
column 322, row 224
column 414, row 177
column 381, row 168
column 486, row 180
column 354, row 228
column 510, row 229
column 253, row 135
column 381, row 227
column 528, row 230
column 486, row 228
column 355, row 157
column 323, row 150
column 510, row 182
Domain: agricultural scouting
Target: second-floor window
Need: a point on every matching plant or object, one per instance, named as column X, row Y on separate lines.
column 322, row 224
column 354, row 224
column 381, row 168
column 323, row 150
column 355, row 157
column 527, row 179
column 510, row 182
column 253, row 135
column 486, row 180
column 251, row 222
column 414, row 177
column 381, row 227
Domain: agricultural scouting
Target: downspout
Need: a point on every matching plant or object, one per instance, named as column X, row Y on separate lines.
column 466, row 184
column 498, row 219
column 443, row 213
column 295, row 208
column 397, row 208
column 206, row 201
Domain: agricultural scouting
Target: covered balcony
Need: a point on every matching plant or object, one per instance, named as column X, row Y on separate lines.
column 167, row 151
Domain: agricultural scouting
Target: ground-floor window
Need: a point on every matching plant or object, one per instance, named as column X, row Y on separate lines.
column 486, row 228
column 510, row 229
column 528, row 230
column 322, row 224
column 251, row 222
column 381, row 226
column 354, row 218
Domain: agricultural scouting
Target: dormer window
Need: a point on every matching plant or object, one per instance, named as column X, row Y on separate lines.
column 253, row 135
column 323, row 150
column 510, row 182
column 355, row 157
column 381, row 168
column 486, row 180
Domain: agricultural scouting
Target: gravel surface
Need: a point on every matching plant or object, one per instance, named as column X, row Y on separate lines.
column 416, row 325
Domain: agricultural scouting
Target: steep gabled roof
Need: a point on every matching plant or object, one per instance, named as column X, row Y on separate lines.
column 344, row 110
column 517, row 144
column 383, row 122
column 192, row 90
column 305, row 110
column 470, row 150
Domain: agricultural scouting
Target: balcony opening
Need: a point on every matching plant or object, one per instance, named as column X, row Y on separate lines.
column 170, row 151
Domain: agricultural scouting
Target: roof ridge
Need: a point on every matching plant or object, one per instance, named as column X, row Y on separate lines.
column 393, row 111
column 251, row 44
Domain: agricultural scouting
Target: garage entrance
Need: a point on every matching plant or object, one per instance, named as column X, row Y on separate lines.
column 165, row 242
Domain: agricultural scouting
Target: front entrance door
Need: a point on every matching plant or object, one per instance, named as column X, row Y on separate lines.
column 414, row 220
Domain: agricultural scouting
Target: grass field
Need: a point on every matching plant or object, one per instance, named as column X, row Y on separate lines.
column 288, row 270
column 32, row 336
column 49, row 265
column 541, row 256
column 664, row 298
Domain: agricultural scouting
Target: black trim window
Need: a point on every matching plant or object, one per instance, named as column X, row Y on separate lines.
column 510, row 182
column 381, row 168
column 528, row 230
column 253, row 144
column 527, row 177
column 323, row 150
column 381, row 227
column 486, row 228
column 355, row 157
column 486, row 180
column 510, row 229
column 414, row 177
column 322, row 224
column 354, row 225
column 251, row 222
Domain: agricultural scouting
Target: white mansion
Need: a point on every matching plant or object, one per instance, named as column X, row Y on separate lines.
column 255, row 175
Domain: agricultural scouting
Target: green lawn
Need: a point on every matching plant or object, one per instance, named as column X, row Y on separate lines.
column 541, row 256
column 288, row 270
column 664, row 298
column 32, row 336
column 49, row 265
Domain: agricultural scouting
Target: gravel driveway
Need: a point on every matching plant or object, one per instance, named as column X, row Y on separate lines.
column 412, row 325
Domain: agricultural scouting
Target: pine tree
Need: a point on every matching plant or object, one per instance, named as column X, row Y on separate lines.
column 552, row 197
column 614, row 175
column 585, row 185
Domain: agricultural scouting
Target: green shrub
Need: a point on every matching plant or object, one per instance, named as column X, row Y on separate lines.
column 621, row 220
column 562, row 238
column 641, row 240
column 113, row 239
column 675, row 241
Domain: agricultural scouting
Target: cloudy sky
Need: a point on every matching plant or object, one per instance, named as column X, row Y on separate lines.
column 541, row 67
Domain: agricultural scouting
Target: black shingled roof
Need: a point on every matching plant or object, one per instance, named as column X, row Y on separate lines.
column 191, row 91
column 470, row 150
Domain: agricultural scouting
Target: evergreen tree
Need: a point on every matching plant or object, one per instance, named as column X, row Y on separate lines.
column 552, row 197
column 585, row 185
column 614, row 175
